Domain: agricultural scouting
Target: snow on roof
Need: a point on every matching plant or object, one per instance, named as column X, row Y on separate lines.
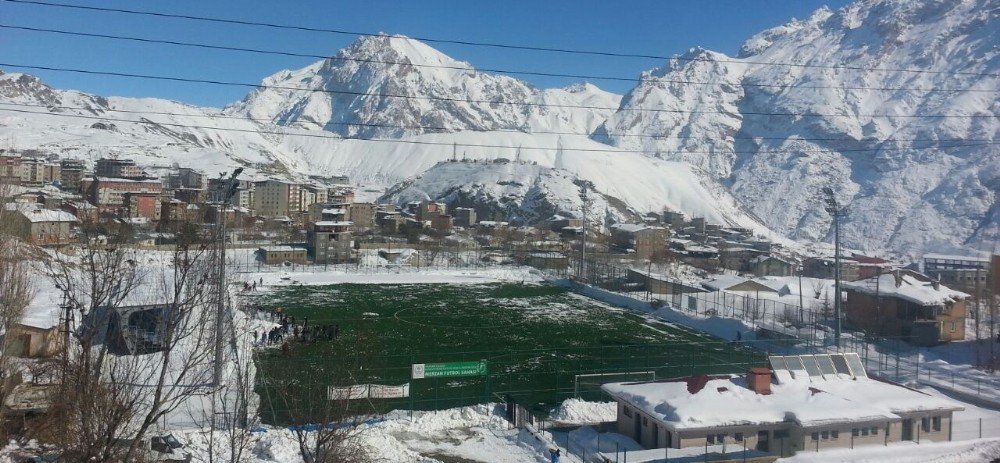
column 334, row 223
column 336, row 210
column 956, row 257
column 910, row 288
column 729, row 402
column 723, row 282
column 37, row 214
column 280, row 248
column 633, row 227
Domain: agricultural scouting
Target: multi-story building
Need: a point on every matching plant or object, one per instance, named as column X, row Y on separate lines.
column 243, row 197
column 464, row 216
column 118, row 168
column 330, row 242
column 362, row 215
column 644, row 240
column 965, row 273
column 186, row 177
column 108, row 194
column 276, row 198
column 142, row 205
column 70, row 174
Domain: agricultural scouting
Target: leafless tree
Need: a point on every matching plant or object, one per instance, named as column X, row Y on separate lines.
column 16, row 291
column 123, row 378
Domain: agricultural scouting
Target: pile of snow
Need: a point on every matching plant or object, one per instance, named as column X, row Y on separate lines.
column 909, row 287
column 577, row 411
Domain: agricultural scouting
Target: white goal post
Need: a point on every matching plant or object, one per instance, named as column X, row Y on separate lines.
column 596, row 379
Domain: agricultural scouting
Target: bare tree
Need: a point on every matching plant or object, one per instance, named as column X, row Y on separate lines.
column 140, row 351
column 15, row 291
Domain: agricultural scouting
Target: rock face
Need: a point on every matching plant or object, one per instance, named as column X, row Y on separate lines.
column 776, row 135
column 391, row 86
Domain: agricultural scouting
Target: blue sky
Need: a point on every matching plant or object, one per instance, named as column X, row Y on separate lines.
column 658, row 27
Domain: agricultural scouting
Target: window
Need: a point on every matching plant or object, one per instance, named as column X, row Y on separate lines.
column 815, row 436
column 855, row 432
column 711, row 439
column 925, row 424
column 874, row 430
column 864, row 431
column 835, row 435
column 645, row 422
column 936, row 423
column 825, row 435
column 626, row 411
column 738, row 437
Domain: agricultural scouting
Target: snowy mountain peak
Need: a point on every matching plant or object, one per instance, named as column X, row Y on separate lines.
column 392, row 86
column 397, row 49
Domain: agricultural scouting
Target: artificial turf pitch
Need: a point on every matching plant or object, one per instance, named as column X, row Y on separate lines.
column 535, row 339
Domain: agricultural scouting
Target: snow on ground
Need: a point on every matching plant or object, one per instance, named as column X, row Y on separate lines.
column 474, row 434
column 982, row 450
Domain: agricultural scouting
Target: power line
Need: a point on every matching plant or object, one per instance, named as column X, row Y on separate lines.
column 450, row 144
column 573, row 51
column 465, row 68
column 441, row 129
column 467, row 100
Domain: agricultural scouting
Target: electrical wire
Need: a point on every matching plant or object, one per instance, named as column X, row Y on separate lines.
column 466, row 68
column 480, row 101
column 535, row 48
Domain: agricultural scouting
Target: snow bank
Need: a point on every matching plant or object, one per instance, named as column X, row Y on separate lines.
column 576, row 411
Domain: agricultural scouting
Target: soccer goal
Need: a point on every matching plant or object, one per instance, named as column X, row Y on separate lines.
column 592, row 382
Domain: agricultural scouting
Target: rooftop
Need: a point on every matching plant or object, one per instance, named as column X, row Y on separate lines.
column 727, row 401
column 36, row 213
column 907, row 286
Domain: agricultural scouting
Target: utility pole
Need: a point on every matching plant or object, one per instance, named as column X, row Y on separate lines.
column 220, row 310
column 837, row 212
column 583, row 245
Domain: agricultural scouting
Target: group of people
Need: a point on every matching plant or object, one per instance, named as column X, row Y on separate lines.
column 287, row 325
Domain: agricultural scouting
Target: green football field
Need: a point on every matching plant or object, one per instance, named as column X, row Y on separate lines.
column 535, row 340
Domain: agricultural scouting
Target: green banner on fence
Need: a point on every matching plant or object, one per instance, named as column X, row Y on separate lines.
column 444, row 370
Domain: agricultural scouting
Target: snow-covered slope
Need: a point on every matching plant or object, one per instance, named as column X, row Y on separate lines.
column 554, row 164
column 387, row 86
column 907, row 185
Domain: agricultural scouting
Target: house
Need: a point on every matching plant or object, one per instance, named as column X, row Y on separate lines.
column 735, row 283
column 907, row 304
column 661, row 284
column 547, row 260
column 644, row 240
column 771, row 266
column 272, row 255
column 735, row 256
column 801, row 403
column 40, row 226
column 34, row 340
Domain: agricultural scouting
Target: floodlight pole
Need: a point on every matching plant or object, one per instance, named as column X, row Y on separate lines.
column 220, row 309
column 837, row 212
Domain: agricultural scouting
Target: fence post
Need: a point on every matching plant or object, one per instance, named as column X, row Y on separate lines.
column 980, row 428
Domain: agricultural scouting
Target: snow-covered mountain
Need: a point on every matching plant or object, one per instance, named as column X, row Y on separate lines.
column 726, row 138
column 392, row 86
column 776, row 135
